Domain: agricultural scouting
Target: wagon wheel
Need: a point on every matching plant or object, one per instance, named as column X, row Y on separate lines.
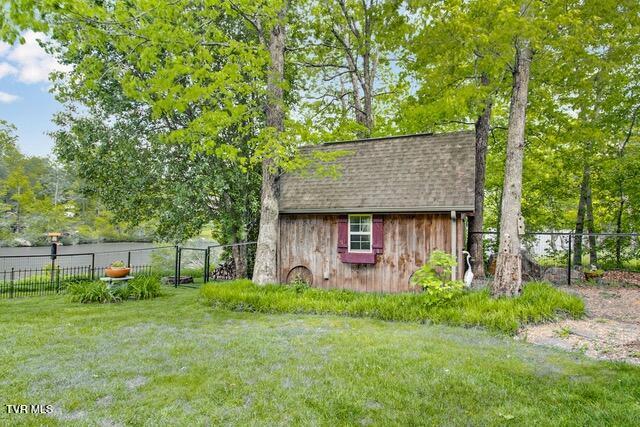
column 300, row 274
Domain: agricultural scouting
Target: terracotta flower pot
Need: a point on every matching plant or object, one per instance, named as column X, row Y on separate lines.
column 117, row 272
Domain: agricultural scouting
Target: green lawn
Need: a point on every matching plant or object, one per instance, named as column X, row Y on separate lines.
column 175, row 361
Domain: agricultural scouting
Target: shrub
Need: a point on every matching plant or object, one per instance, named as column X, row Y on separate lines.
column 434, row 277
column 118, row 264
column 539, row 302
column 91, row 291
column 143, row 286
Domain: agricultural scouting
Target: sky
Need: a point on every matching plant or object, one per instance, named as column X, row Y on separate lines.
column 25, row 100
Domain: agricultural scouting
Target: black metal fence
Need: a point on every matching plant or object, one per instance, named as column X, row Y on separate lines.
column 214, row 262
column 567, row 257
column 25, row 275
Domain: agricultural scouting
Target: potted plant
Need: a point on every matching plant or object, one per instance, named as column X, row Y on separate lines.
column 117, row 269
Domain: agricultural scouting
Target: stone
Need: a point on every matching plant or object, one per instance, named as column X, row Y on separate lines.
column 558, row 275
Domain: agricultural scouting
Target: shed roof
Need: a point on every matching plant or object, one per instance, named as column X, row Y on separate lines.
column 413, row 173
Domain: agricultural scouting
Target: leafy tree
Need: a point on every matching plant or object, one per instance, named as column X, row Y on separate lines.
column 346, row 52
column 460, row 80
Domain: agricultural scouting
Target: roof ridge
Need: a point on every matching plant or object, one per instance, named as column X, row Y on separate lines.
column 379, row 138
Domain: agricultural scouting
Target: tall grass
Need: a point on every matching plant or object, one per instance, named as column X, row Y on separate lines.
column 539, row 303
column 142, row 286
column 92, row 291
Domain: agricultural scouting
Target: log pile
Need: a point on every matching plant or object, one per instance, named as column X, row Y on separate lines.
column 224, row 271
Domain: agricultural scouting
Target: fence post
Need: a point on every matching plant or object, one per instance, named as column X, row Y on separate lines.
column 206, row 265
column 569, row 262
column 54, row 253
column 176, row 269
column 93, row 266
column 11, row 282
column 58, row 284
column 129, row 259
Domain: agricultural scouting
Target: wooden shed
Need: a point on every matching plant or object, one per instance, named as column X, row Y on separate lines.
column 394, row 201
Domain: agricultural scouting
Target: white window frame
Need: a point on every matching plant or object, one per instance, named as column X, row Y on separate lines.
column 360, row 233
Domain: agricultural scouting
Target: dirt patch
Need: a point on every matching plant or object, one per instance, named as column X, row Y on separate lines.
column 610, row 331
column 136, row 382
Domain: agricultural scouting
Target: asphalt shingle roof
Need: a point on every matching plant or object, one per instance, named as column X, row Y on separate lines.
column 414, row 173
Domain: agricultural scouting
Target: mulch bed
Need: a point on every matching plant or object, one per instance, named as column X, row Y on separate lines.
column 622, row 277
column 610, row 331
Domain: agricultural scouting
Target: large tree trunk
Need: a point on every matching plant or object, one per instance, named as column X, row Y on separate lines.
column 508, row 278
column 476, row 222
column 582, row 202
column 265, row 267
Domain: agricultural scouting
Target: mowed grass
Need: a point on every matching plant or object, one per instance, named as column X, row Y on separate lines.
column 539, row 302
column 175, row 361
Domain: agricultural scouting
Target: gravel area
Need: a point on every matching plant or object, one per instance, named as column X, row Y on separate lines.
column 611, row 329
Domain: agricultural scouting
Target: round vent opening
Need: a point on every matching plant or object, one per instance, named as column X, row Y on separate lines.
column 300, row 274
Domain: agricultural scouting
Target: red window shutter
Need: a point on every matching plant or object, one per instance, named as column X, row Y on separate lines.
column 343, row 233
column 378, row 234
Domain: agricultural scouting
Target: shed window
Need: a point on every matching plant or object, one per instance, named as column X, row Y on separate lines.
column 360, row 233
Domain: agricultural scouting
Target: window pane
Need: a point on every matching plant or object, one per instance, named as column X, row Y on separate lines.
column 365, row 243
column 360, row 224
column 360, row 242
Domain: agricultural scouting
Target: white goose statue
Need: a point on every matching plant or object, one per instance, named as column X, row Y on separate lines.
column 468, row 275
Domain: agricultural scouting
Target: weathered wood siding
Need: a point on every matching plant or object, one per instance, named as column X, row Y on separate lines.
column 312, row 241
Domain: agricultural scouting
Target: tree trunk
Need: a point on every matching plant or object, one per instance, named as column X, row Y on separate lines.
column 508, row 278
column 496, row 242
column 357, row 105
column 577, row 242
column 619, row 230
column 239, row 254
column 357, row 43
column 589, row 223
column 369, row 70
column 621, row 153
column 476, row 222
column 265, row 267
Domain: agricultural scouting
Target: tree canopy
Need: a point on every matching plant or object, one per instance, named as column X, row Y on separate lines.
column 219, row 94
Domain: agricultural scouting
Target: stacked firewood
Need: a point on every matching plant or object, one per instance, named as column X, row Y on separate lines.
column 224, row 271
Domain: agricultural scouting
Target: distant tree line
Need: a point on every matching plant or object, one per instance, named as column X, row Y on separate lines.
column 38, row 196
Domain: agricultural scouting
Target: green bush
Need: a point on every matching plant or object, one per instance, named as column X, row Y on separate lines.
column 92, row 291
column 538, row 303
column 143, row 286
column 434, row 277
